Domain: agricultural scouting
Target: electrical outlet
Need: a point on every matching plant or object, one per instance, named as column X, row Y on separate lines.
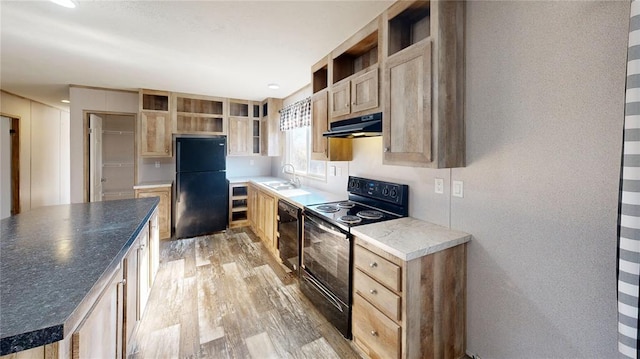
column 338, row 171
column 439, row 185
column 252, row 162
column 458, row 189
column 332, row 171
column 157, row 164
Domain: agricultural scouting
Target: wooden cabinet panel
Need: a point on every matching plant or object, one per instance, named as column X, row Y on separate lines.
column 319, row 125
column 100, row 334
column 239, row 135
column 262, row 208
column 407, row 126
column 356, row 94
column 130, row 265
column 154, row 247
column 340, row 100
column 144, row 273
column 164, row 207
column 155, row 134
column 387, row 301
column 377, row 333
column 378, row 268
column 364, row 91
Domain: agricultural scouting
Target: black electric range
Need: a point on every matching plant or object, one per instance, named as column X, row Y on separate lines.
column 370, row 201
column 327, row 247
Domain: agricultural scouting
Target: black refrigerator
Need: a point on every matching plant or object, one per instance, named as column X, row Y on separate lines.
column 202, row 190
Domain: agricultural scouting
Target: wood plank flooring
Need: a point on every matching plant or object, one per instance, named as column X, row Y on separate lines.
column 225, row 296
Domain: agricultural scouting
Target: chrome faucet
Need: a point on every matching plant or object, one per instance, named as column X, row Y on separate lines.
column 294, row 180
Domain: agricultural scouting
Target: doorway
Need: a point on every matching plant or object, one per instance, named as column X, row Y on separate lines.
column 9, row 167
column 110, row 156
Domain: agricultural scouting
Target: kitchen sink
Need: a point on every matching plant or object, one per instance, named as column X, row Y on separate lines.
column 280, row 185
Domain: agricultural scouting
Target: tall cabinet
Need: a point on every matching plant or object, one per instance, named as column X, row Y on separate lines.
column 155, row 124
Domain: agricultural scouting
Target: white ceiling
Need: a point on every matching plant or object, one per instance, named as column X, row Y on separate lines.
column 218, row 48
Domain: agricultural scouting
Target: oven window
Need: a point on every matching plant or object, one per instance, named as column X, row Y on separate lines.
column 326, row 252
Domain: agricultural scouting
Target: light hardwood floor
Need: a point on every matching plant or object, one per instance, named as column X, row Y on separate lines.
column 224, row 296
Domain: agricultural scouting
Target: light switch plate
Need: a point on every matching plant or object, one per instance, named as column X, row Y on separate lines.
column 439, row 185
column 458, row 189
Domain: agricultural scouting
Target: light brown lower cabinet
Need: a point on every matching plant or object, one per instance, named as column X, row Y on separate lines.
column 99, row 335
column 106, row 330
column 409, row 309
column 164, row 208
column 262, row 211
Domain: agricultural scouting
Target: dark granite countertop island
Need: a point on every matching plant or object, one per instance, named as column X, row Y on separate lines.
column 55, row 260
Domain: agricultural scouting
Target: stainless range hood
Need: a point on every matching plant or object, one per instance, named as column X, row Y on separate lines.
column 362, row 126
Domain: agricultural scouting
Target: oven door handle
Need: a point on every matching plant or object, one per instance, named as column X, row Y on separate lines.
column 318, row 287
column 327, row 229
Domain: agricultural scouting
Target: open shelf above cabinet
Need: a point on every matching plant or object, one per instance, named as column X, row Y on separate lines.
column 357, row 58
column 194, row 123
column 409, row 26
column 155, row 102
column 320, row 76
column 190, row 105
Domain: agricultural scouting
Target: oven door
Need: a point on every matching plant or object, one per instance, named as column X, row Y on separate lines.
column 326, row 255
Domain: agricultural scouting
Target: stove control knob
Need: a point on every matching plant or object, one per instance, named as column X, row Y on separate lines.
column 385, row 191
column 394, row 193
column 352, row 184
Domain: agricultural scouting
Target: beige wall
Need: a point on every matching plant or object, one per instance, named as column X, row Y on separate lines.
column 544, row 115
column 44, row 151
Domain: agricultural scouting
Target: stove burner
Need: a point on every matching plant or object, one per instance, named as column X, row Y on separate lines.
column 349, row 219
column 369, row 214
column 328, row 208
column 347, row 204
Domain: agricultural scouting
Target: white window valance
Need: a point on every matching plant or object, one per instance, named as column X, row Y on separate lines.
column 296, row 115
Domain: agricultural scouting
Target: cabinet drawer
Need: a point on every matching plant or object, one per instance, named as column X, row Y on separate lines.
column 378, row 268
column 382, row 298
column 378, row 334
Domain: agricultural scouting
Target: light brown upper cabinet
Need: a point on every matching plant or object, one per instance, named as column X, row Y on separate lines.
column 272, row 137
column 155, row 124
column 245, row 128
column 323, row 148
column 354, row 75
column 200, row 115
column 408, row 64
column 423, row 82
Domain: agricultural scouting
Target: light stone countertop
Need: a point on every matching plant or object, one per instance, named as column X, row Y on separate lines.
column 153, row 184
column 410, row 238
column 303, row 196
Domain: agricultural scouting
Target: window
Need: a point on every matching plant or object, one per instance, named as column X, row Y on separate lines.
column 298, row 153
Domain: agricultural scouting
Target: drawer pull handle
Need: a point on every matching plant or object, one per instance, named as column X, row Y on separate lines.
column 374, row 333
column 373, row 291
column 373, row 264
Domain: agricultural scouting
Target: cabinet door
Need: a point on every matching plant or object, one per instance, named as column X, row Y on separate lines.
column 154, row 247
column 407, row 127
column 144, row 277
column 100, row 335
column 251, row 207
column 238, row 136
column 319, row 125
column 364, row 91
column 130, row 294
column 155, row 134
column 270, row 222
column 340, row 99
column 164, row 208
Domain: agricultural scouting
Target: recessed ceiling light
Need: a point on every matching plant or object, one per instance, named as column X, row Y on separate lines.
column 273, row 86
column 66, row 3
column 65, row 101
